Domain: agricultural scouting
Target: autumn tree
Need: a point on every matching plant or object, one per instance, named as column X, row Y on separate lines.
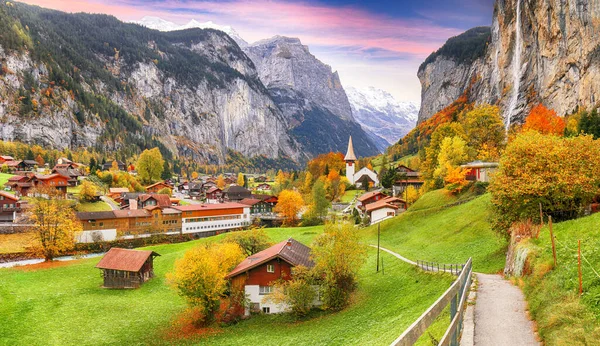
column 88, row 191
column 563, row 174
column 221, row 182
column 55, row 225
column 484, row 129
column 40, row 160
column 318, row 205
column 544, row 120
column 199, row 276
column 431, row 153
column 150, row 165
column 114, row 167
column 298, row 293
column 411, row 194
column 194, row 175
column 240, row 179
column 335, row 187
column 165, row 191
column 307, row 184
column 289, row 204
column 338, row 256
column 251, row 241
column 452, row 153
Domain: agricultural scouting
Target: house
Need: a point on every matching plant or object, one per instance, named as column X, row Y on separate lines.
column 370, row 197
column 263, row 187
column 64, row 161
column 22, row 184
column 382, row 210
column 154, row 188
column 116, row 192
column 480, row 171
column 30, row 165
column 15, row 165
column 124, row 268
column 205, row 220
column 409, row 177
column 236, row 193
column 153, row 200
column 357, row 178
column 214, row 195
column 67, row 171
column 9, row 207
column 6, row 158
column 258, row 206
column 257, row 273
column 108, row 166
column 260, row 179
column 195, row 189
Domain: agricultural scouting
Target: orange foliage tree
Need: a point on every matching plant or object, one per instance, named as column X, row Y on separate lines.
column 289, row 205
column 544, row 120
column 333, row 161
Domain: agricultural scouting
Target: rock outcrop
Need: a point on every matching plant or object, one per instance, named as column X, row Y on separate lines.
column 539, row 52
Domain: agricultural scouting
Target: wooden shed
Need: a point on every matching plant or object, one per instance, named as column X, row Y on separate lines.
column 123, row 268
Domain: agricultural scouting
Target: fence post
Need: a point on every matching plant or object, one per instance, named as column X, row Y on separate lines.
column 579, row 266
column 552, row 238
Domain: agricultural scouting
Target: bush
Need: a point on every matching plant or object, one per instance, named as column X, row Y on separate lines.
column 299, row 293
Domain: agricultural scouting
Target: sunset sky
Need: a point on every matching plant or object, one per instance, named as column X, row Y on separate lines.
column 370, row 43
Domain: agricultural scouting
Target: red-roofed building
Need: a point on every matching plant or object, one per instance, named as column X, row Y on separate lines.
column 210, row 219
column 6, row 158
column 257, row 273
column 23, row 184
column 370, row 197
column 384, row 209
column 9, row 207
column 123, row 268
column 154, row 188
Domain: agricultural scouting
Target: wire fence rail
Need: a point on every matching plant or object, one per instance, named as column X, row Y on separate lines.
column 454, row 269
column 456, row 296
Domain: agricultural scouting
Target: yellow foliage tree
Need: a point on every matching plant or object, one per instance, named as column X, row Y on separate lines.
column 55, row 225
column 240, row 179
column 114, row 167
column 88, row 191
column 411, row 194
column 200, row 276
column 456, row 177
column 150, row 165
column 289, row 205
column 220, row 182
column 453, row 152
column 307, row 185
column 194, row 175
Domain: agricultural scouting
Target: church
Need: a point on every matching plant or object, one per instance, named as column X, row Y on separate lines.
column 356, row 178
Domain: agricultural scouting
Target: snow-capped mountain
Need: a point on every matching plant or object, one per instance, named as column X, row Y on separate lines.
column 381, row 115
column 164, row 25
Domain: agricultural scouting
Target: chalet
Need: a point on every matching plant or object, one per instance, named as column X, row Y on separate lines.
column 370, row 197
column 263, row 187
column 260, row 179
column 195, row 189
column 384, row 209
column 154, row 200
column 15, row 165
column 9, row 207
column 214, row 195
column 123, row 268
column 270, row 199
column 480, row 171
column 22, row 184
column 154, row 188
column 116, row 192
column 69, row 172
column 258, row 206
column 408, row 177
column 205, row 220
column 108, row 166
column 64, row 161
column 236, row 193
column 30, row 165
column 257, row 273
column 6, row 158
column 183, row 187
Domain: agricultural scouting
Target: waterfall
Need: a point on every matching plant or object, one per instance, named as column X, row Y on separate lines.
column 516, row 73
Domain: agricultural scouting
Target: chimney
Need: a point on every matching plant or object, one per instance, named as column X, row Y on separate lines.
column 289, row 243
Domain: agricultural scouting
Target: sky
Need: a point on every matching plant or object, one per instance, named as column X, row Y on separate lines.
column 370, row 43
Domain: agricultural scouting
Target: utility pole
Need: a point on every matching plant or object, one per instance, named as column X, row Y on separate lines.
column 378, row 236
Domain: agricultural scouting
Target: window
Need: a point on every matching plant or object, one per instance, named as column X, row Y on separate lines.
column 266, row 310
column 270, row 268
column 265, row 290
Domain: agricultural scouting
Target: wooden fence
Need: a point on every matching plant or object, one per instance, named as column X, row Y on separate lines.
column 454, row 269
column 456, row 296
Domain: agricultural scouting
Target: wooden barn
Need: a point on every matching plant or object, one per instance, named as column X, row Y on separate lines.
column 123, row 268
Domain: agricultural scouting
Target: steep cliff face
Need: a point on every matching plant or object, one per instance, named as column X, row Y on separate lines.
column 91, row 80
column 310, row 95
column 544, row 51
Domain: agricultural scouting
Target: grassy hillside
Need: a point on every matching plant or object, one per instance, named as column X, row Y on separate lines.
column 93, row 206
column 65, row 305
column 563, row 317
column 446, row 235
column 3, row 179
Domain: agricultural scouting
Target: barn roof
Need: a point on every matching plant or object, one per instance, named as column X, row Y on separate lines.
column 291, row 251
column 124, row 259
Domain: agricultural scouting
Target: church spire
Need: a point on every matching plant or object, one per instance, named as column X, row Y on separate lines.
column 350, row 153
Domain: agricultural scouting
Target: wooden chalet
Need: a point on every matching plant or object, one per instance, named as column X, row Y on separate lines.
column 68, row 171
column 22, row 184
column 408, row 177
column 257, row 273
column 257, row 206
column 263, row 187
column 214, row 194
column 123, row 268
column 195, row 190
column 6, row 158
column 154, row 188
column 236, row 193
column 370, row 197
column 116, row 192
column 9, row 207
column 108, row 166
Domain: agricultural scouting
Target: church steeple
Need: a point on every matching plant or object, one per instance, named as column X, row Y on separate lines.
column 350, row 156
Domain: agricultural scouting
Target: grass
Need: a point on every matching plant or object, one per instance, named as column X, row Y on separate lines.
column 93, row 206
column 74, row 189
column 448, row 235
column 439, row 198
column 65, row 305
column 563, row 317
column 349, row 195
column 4, row 179
column 17, row 242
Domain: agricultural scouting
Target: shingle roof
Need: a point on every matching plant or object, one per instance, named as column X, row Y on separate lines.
column 368, row 195
column 131, row 213
column 295, row 254
column 379, row 204
column 118, row 189
column 9, row 196
column 162, row 200
column 95, row 215
column 250, row 201
column 124, row 259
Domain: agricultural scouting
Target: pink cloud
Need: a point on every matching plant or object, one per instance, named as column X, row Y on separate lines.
column 314, row 24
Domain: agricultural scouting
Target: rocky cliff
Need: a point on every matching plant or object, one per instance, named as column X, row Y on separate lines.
column 544, row 51
column 384, row 118
column 310, row 95
column 71, row 80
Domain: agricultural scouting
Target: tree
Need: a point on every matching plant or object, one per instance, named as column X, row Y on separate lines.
column 484, row 129
column 4, row 168
column 307, row 185
column 166, row 173
column 319, row 204
column 298, row 293
column 40, row 160
column 250, row 241
column 165, row 191
column 200, row 276
column 334, row 186
column 88, row 191
column 338, row 256
column 544, row 120
column 150, row 165
column 114, row 167
column 194, row 175
column 240, row 179
column 289, row 205
column 365, row 182
column 220, row 182
column 93, row 166
column 563, row 174
column 55, row 225
column 388, row 177
column 411, row 194
column 452, row 153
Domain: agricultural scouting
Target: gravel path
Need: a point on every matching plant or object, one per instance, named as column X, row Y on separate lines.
column 500, row 317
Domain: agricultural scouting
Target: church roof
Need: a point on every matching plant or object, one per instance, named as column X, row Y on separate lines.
column 350, row 156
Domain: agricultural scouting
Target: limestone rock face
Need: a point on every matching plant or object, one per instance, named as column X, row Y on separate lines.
column 558, row 62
